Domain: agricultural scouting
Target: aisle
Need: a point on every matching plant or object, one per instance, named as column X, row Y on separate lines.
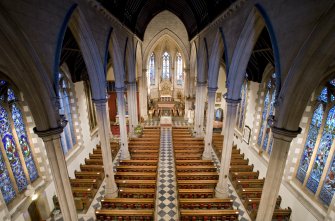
column 166, row 197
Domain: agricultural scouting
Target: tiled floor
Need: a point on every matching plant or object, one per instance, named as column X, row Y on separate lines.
column 166, row 198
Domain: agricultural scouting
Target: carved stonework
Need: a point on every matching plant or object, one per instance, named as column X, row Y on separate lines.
column 165, row 88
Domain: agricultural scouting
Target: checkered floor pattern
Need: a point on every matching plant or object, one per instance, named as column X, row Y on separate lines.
column 166, row 198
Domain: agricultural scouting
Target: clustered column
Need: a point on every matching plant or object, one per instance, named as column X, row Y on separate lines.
column 122, row 123
column 199, row 108
column 221, row 189
column 132, row 106
column 104, row 132
column 209, row 125
column 52, row 143
column 281, row 144
column 142, row 85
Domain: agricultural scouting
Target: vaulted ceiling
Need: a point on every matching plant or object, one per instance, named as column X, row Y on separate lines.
column 195, row 14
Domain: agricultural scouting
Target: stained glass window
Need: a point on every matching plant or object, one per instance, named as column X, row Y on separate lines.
column 166, row 66
column 180, row 79
column 323, row 152
column 68, row 137
column 242, row 105
column 23, row 141
column 317, row 160
column 11, row 150
column 264, row 115
column 313, row 132
column 152, row 69
column 6, row 186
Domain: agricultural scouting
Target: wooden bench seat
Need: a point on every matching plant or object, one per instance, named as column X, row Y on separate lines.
column 245, row 183
column 127, row 203
column 82, row 203
column 246, row 193
column 183, row 162
column 139, row 162
column 107, row 214
column 97, row 151
column 237, row 156
column 136, row 183
column 201, row 168
column 239, row 162
column 136, row 168
column 144, row 151
column 196, row 193
column 243, row 175
column 93, row 161
column 241, row 168
column 206, row 203
column 209, row 214
column 191, row 156
column 88, row 183
column 197, row 176
column 197, row 184
column 135, row 175
column 137, row 193
column 278, row 214
column 83, row 192
column 97, row 168
column 142, row 156
column 193, row 150
column 95, row 156
column 89, row 175
column 252, row 204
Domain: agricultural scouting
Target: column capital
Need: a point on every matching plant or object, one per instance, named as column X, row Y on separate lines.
column 99, row 101
column 201, row 83
column 233, row 101
column 131, row 83
column 284, row 134
column 212, row 89
column 49, row 133
column 120, row 89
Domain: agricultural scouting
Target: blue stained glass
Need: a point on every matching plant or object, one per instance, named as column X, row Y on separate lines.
column 323, row 151
column 332, row 98
column 166, row 66
column 179, row 69
column 152, row 69
column 2, row 82
column 310, row 142
column 328, row 188
column 11, row 151
column 6, row 186
column 332, row 82
column 11, row 95
column 266, row 138
column 264, row 115
column 23, row 141
column 323, row 95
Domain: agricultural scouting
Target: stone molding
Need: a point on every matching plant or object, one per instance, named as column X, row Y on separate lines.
column 49, row 133
column 284, row 134
column 100, row 101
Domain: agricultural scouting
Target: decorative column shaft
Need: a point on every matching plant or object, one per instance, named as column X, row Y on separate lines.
column 281, row 144
column 122, row 123
column 53, row 146
column 199, row 108
column 221, row 189
column 209, row 125
column 186, row 91
column 104, row 134
column 143, row 92
column 132, row 106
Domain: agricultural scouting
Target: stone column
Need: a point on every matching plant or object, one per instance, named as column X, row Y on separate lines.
column 53, row 146
column 132, row 107
column 104, row 133
column 186, row 91
column 143, row 94
column 281, row 144
column 122, row 123
column 221, row 189
column 209, row 125
column 199, row 108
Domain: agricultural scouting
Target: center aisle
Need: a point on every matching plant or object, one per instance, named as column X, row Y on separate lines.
column 166, row 201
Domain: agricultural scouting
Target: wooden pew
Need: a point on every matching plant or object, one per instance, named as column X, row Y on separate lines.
column 95, row 156
column 196, row 193
column 239, row 162
column 197, row 176
column 243, row 175
column 106, row 214
column 136, row 193
column 252, row 192
column 201, row 168
column 127, row 203
column 136, row 183
column 136, row 168
column 197, row 184
column 135, row 175
column 241, row 168
column 139, row 162
column 83, row 192
column 252, row 204
column 245, row 183
column 88, row 183
column 93, row 161
column 218, row 215
column 193, row 162
column 206, row 203
column 88, row 175
column 142, row 156
column 96, row 168
column 135, row 150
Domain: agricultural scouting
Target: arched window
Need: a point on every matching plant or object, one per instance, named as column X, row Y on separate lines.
column 68, row 136
column 17, row 165
column 316, row 169
column 242, row 106
column 179, row 73
column 166, row 66
column 152, row 69
column 265, row 140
